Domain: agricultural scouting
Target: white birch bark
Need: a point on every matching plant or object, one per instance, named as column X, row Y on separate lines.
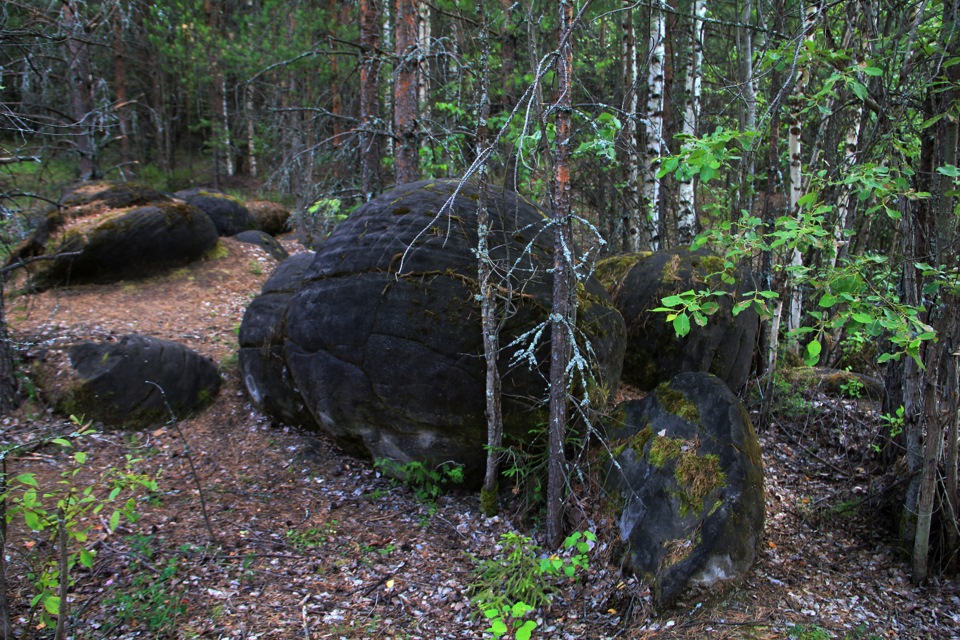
column 654, row 130
column 632, row 221
column 795, row 308
column 227, row 142
column 251, row 130
column 687, row 213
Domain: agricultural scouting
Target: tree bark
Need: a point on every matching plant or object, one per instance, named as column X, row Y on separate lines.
column 687, row 214
column 407, row 156
column 650, row 211
column 370, row 153
column 563, row 283
column 80, row 86
column 631, row 224
column 120, row 88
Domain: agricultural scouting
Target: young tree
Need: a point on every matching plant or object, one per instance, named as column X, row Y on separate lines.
column 80, row 87
column 405, row 93
column 370, row 153
column 654, row 128
column 687, row 214
column 563, row 310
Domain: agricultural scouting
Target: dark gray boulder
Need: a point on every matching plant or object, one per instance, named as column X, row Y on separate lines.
column 125, row 244
column 120, row 383
column 383, row 337
column 686, row 477
column 271, row 217
column 266, row 242
column 262, row 362
column 229, row 216
column 654, row 354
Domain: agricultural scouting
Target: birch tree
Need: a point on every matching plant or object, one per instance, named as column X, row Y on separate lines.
column 687, row 214
column 632, row 222
column 650, row 211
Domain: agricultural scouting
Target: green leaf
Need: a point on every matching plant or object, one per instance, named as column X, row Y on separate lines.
column 114, row 520
column 32, row 520
column 858, row 89
column 681, row 325
column 813, row 353
column 80, row 457
column 86, row 558
column 827, row 301
column 62, row 442
column 520, row 609
column 671, row 301
column 873, row 71
column 740, row 306
column 52, row 605
column 949, row 170
column 523, row 633
column 27, row 479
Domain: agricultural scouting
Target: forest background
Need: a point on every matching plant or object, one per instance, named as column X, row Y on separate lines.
column 815, row 141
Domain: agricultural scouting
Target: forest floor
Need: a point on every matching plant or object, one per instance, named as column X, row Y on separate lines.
column 298, row 540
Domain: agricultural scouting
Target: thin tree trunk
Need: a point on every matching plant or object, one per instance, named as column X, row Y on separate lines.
column 631, row 222
column 80, row 86
column 9, row 399
column 6, row 631
column 407, row 154
column 370, row 153
column 749, row 116
column 251, row 130
column 64, row 578
column 687, row 214
column 120, row 88
column 489, row 496
column 563, row 282
column 795, row 307
column 650, row 211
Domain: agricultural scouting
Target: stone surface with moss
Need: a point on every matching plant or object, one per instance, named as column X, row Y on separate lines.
column 229, row 216
column 127, row 243
column 383, row 337
column 639, row 282
column 136, row 382
column 687, row 477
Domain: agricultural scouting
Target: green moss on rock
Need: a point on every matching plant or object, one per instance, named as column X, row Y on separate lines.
column 676, row 403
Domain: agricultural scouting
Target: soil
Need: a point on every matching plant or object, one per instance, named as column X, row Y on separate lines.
column 259, row 530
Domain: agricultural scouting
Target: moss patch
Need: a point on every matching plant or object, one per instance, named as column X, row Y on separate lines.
column 665, row 449
column 698, row 476
column 675, row 402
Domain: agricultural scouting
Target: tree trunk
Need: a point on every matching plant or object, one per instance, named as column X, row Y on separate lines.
column 370, row 153
column 9, row 399
column 80, row 87
column 650, row 211
column 563, row 283
column 632, row 221
column 687, row 214
column 407, row 156
column 120, row 88
column 489, row 496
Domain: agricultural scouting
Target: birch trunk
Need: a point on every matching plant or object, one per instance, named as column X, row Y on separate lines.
column 795, row 308
column 687, row 215
column 251, row 131
column 650, row 211
column 632, row 222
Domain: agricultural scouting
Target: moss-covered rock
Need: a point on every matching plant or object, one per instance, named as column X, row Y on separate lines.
column 687, row 479
column 136, row 382
column 383, row 337
column 126, row 243
column 724, row 347
column 229, row 216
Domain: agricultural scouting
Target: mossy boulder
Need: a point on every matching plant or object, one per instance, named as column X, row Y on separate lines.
column 271, row 217
column 654, row 354
column 137, row 381
column 127, row 243
column 266, row 242
column 834, row 382
column 228, row 215
column 686, row 477
column 383, row 338
column 263, row 367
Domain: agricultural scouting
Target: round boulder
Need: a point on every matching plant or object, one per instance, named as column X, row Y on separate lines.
column 119, row 245
column 138, row 381
column 266, row 242
column 654, row 354
column 383, row 338
column 272, row 218
column 263, row 366
column 229, row 216
column 687, row 478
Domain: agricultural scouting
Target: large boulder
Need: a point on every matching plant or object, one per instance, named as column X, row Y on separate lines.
column 383, row 338
column 265, row 241
column 687, row 478
column 263, row 366
column 271, row 217
column 127, row 243
column 137, row 382
column 654, row 354
column 229, row 216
